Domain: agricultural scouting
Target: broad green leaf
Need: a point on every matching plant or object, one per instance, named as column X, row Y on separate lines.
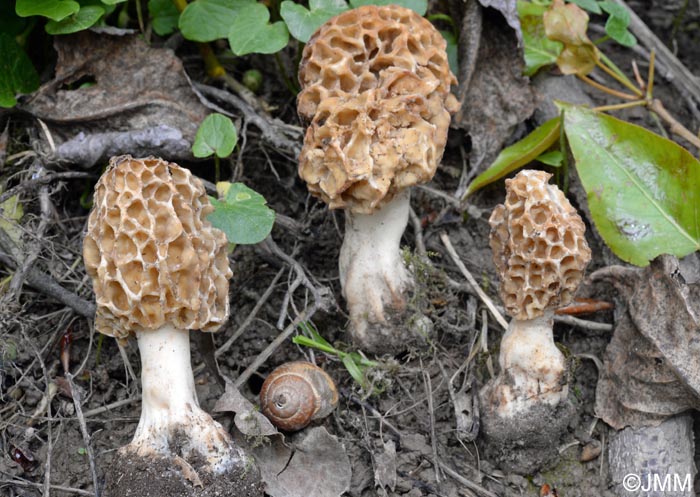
column 209, row 20
column 643, row 190
column 250, row 32
column 419, row 6
column 589, row 5
column 164, row 16
column 216, row 135
column 242, row 215
column 451, row 50
column 518, row 154
column 55, row 10
column 616, row 28
column 83, row 19
column 538, row 51
column 11, row 213
column 303, row 22
column 17, row 74
column 553, row 158
column 112, row 2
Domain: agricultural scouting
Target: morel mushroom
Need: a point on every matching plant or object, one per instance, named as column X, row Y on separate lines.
column 540, row 251
column 376, row 92
column 160, row 269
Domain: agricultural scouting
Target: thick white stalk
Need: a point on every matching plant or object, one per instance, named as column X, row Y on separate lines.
column 532, row 367
column 172, row 422
column 372, row 273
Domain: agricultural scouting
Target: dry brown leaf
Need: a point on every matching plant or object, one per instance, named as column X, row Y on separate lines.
column 113, row 95
column 568, row 23
column 652, row 364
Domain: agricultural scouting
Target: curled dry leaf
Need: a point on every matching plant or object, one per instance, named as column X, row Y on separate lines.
column 310, row 463
column 651, row 369
column 568, row 23
column 113, row 95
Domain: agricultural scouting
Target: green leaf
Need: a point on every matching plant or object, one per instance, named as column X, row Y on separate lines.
column 539, row 51
column 616, row 28
column 209, row 20
column 354, row 370
column 553, row 158
column 419, row 6
column 302, row 22
column 643, row 190
column 86, row 17
column 216, row 135
column 250, row 32
column 11, row 212
column 17, row 74
column 589, row 5
column 112, row 2
column 55, row 10
column 518, row 154
column 242, row 215
column 164, row 16
column 451, row 50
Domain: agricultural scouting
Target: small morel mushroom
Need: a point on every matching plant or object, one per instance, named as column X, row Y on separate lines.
column 376, row 94
column 160, row 269
column 540, row 251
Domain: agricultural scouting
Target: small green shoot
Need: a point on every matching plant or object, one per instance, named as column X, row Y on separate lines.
column 354, row 362
column 216, row 135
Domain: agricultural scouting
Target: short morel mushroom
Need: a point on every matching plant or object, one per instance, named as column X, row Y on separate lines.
column 541, row 253
column 376, row 94
column 160, row 269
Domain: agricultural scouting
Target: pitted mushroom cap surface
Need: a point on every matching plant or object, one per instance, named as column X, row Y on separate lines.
column 153, row 257
column 538, row 244
column 376, row 91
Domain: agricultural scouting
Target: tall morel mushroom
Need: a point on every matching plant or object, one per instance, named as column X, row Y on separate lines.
column 160, row 269
column 541, row 253
column 376, row 94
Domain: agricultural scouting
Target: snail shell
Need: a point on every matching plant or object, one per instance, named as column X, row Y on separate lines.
column 297, row 393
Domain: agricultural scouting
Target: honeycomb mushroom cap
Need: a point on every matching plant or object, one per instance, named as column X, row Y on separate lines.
column 538, row 245
column 376, row 91
column 153, row 257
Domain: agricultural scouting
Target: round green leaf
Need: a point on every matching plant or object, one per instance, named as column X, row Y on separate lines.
column 208, row 20
column 216, row 135
column 55, row 10
column 86, row 17
column 164, row 16
column 250, row 32
column 242, row 215
column 17, row 74
column 419, row 6
column 302, row 23
column 643, row 190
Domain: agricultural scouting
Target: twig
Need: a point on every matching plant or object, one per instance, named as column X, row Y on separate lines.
column 467, row 483
column 77, row 402
column 677, row 128
column 582, row 323
column 39, row 181
column 270, row 349
column 418, row 233
column 114, row 405
column 24, row 483
column 431, row 410
column 484, row 298
column 382, row 419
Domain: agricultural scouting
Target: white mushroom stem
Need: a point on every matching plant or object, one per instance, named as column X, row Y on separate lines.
column 172, row 423
column 532, row 367
column 372, row 273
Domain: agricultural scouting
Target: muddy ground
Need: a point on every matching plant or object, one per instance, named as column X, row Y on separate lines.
column 39, row 429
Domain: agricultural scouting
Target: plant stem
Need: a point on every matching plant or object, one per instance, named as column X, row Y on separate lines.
column 139, row 15
column 217, row 168
column 650, row 79
column 609, row 67
column 609, row 91
column 626, row 105
column 677, row 128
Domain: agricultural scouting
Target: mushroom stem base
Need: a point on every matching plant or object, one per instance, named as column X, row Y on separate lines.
column 375, row 281
column 172, row 423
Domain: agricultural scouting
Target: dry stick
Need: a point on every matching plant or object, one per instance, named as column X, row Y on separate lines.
column 467, row 483
column 484, row 298
column 581, row 323
column 270, row 349
column 77, row 402
column 677, row 128
column 431, row 410
column 681, row 76
column 24, row 483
